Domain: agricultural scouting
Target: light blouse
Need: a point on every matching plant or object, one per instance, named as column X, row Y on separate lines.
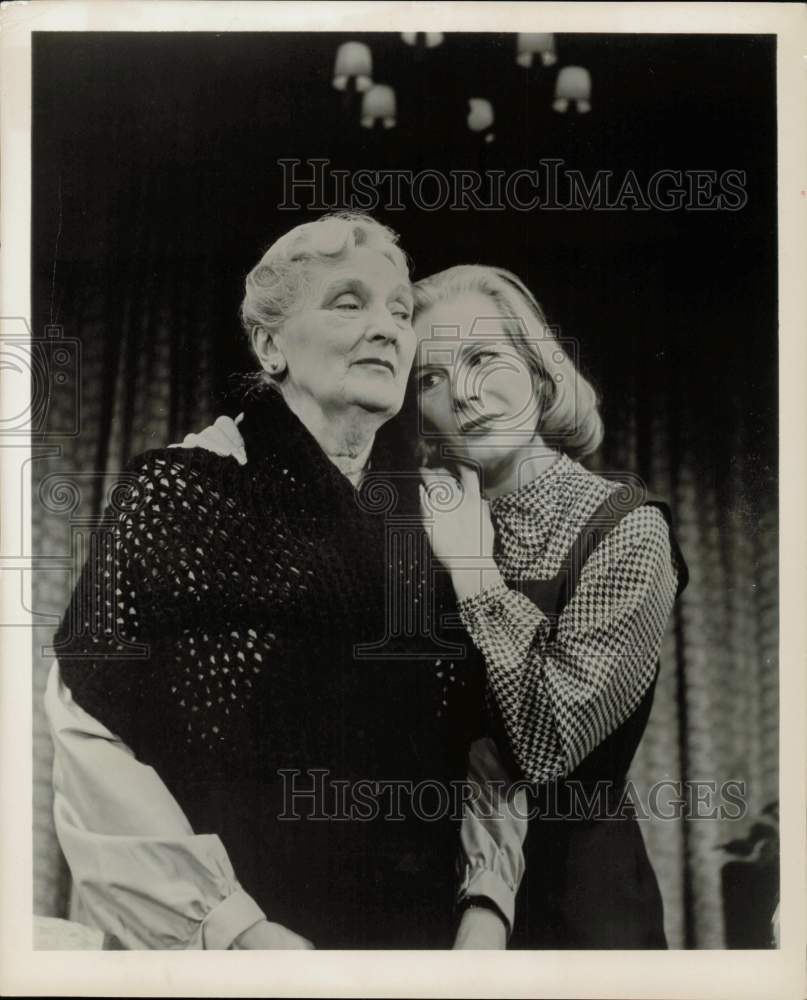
column 148, row 880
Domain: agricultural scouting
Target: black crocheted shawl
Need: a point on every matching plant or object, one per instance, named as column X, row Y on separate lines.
column 233, row 624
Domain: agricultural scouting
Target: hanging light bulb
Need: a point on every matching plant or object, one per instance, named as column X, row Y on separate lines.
column 353, row 61
column 433, row 38
column 573, row 84
column 480, row 116
column 379, row 104
column 531, row 45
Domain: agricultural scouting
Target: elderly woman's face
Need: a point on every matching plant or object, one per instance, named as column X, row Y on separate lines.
column 350, row 342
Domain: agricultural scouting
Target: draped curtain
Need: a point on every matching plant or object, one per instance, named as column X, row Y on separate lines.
column 151, row 328
column 146, row 322
column 715, row 715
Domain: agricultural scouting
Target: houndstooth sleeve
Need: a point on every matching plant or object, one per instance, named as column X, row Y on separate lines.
column 558, row 698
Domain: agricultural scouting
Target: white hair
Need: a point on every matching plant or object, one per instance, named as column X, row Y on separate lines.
column 274, row 285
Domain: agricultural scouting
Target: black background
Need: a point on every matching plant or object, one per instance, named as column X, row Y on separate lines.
column 199, row 120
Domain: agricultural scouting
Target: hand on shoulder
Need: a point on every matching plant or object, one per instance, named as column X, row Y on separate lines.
column 222, row 437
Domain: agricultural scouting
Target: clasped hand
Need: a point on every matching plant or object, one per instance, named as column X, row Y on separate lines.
column 458, row 522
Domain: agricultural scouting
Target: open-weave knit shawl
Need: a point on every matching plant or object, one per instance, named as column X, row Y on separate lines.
column 221, row 600
column 234, row 621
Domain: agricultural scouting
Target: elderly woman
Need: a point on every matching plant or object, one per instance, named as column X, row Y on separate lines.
column 565, row 581
column 259, row 710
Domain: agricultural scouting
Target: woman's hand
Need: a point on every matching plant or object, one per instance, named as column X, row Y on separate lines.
column 461, row 528
column 266, row 936
column 222, row 438
column 481, row 928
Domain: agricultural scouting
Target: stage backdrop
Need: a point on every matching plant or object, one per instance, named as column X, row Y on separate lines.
column 157, row 185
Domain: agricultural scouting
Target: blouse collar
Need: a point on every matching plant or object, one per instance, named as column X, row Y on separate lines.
column 533, row 513
column 543, row 487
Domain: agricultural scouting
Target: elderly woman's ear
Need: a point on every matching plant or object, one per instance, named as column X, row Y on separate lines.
column 268, row 351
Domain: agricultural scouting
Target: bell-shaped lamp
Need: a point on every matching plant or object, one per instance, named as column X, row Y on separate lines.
column 480, row 116
column 573, row 84
column 379, row 104
column 353, row 60
column 530, row 45
column 433, row 38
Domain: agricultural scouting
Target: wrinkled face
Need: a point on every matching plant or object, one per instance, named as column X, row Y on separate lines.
column 349, row 342
column 475, row 390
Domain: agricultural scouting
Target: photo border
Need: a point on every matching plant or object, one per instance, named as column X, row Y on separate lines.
column 696, row 974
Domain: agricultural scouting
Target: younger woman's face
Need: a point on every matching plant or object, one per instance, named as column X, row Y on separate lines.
column 476, row 393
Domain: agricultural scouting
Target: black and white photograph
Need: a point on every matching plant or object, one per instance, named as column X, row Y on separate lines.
column 399, row 514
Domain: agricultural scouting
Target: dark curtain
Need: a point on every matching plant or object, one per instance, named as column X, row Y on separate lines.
column 145, row 323
column 715, row 716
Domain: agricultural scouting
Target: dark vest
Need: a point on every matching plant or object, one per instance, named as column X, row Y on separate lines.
column 589, row 883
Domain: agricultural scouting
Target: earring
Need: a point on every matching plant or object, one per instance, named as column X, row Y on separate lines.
column 275, row 367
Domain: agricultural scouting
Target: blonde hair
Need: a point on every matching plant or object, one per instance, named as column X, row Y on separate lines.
column 569, row 417
column 274, row 286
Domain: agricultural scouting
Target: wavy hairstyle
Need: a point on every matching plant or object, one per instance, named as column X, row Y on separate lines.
column 274, row 286
column 569, row 415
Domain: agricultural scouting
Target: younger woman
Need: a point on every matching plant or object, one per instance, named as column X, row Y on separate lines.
column 565, row 581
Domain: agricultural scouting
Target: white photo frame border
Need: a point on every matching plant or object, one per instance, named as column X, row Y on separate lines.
column 391, row 974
